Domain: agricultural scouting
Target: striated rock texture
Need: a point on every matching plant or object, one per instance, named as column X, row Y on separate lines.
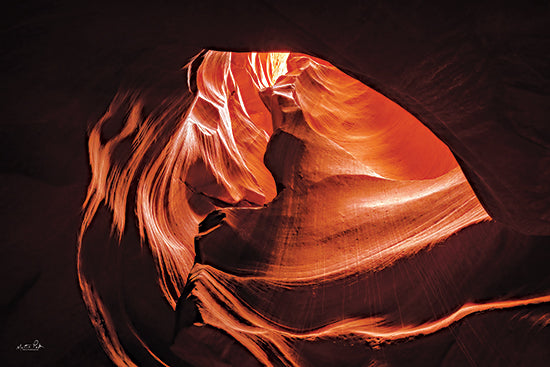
column 202, row 227
column 288, row 205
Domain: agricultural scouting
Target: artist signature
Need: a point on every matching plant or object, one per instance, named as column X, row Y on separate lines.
column 34, row 347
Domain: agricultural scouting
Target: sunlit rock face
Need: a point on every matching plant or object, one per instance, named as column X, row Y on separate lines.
column 295, row 217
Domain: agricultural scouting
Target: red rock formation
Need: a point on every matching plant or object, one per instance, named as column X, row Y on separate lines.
column 364, row 190
column 475, row 75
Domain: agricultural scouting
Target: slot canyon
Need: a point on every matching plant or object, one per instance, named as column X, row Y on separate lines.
column 276, row 184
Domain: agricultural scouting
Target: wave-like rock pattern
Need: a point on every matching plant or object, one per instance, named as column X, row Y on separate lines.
column 287, row 206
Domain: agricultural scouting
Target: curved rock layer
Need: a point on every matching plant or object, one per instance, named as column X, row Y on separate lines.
column 291, row 210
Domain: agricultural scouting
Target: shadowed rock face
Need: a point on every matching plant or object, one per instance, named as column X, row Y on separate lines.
column 475, row 76
column 364, row 247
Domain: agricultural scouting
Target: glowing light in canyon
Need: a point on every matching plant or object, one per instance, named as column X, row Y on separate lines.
column 276, row 176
